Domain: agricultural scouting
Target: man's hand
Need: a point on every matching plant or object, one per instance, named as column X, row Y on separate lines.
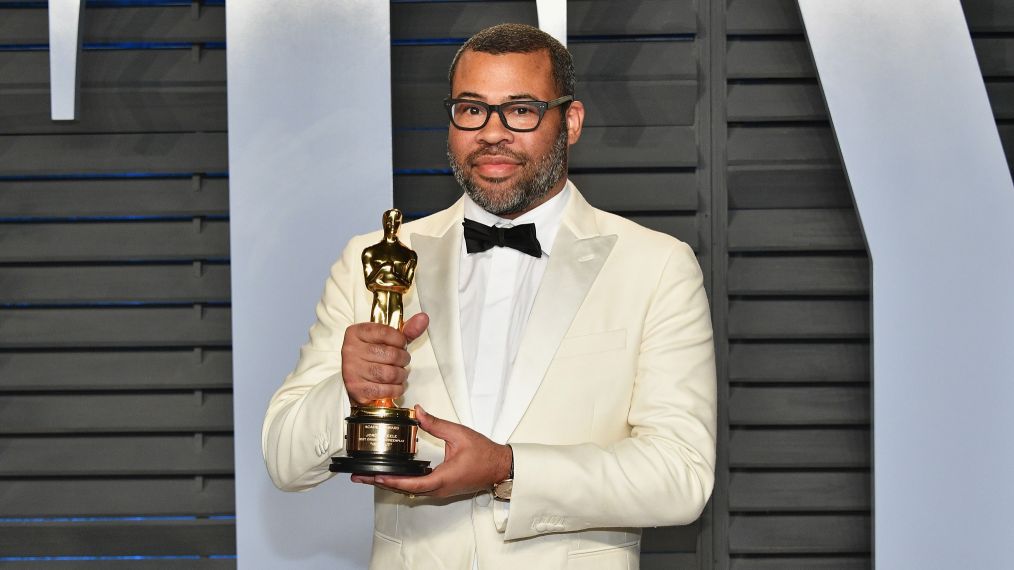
column 374, row 358
column 472, row 463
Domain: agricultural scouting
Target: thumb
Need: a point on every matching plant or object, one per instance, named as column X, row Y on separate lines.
column 434, row 425
column 415, row 326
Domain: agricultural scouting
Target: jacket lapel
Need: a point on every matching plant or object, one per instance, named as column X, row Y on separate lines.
column 579, row 253
column 437, row 288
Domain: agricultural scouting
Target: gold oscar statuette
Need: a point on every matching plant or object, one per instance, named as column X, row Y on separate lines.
column 380, row 437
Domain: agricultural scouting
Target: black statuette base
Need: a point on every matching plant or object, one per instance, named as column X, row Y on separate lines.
column 374, row 465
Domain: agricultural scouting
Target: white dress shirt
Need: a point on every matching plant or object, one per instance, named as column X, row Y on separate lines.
column 496, row 291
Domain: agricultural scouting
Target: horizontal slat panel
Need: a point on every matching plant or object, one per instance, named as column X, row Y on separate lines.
column 788, row 186
column 108, row 370
column 799, row 448
column 802, row 563
column 671, row 538
column 668, row 560
column 60, row 284
column 129, row 564
column 628, row 192
column 775, row 145
column 607, row 103
column 995, row 55
column 584, row 17
column 786, row 534
column 775, row 102
column 599, row 147
column 799, row 319
column 794, row 230
column 115, row 327
column 593, row 61
column 121, row 69
column 114, row 197
column 166, row 110
column 119, row 538
column 1001, row 98
column 121, row 24
column 120, row 241
column 797, row 362
column 802, row 275
column 817, row 491
column 116, row 455
column 799, row 406
column 116, row 497
column 113, row 413
column 769, row 59
column 168, row 153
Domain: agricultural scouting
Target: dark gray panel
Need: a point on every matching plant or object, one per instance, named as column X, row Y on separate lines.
column 628, row 192
column 584, row 17
column 803, row 563
column 123, row 24
column 1001, row 98
column 769, row 59
column 110, row 370
column 671, row 538
column 799, row 406
column 59, row 284
column 119, row 538
column 799, row 275
column 115, row 413
column 996, row 56
column 607, row 103
column 799, row 362
column 795, row 230
column 775, row 102
column 763, row 17
column 119, row 455
column 122, row 241
column 154, row 564
column 115, row 327
column 668, row 561
column 599, row 147
column 826, row 448
column 794, row 492
column 114, row 197
column 169, row 153
column 593, row 61
column 120, row 69
column 788, row 186
column 989, row 15
column 799, row 319
column 800, row 145
column 117, row 497
column 785, row 534
column 27, row 111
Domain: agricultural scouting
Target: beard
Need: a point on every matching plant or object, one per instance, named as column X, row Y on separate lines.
column 537, row 177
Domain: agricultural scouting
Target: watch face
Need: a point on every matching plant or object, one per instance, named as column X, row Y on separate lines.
column 502, row 490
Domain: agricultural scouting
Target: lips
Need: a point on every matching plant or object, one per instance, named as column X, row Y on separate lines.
column 495, row 165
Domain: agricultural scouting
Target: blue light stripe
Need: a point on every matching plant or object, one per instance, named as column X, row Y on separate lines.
column 114, row 519
column 110, row 176
column 398, row 171
column 87, row 558
column 74, row 219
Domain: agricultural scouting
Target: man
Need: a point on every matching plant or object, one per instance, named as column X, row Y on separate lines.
column 588, row 349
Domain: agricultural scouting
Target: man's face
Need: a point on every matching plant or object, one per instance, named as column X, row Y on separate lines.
column 505, row 172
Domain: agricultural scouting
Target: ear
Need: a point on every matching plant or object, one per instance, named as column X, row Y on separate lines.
column 575, row 119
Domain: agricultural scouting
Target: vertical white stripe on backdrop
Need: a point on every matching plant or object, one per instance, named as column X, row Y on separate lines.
column 934, row 194
column 65, row 17
column 310, row 165
column 553, row 18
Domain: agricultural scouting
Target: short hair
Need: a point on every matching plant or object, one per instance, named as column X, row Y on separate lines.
column 521, row 38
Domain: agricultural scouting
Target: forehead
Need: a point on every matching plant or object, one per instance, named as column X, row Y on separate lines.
column 503, row 75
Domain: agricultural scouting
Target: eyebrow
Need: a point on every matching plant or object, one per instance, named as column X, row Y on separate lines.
column 514, row 97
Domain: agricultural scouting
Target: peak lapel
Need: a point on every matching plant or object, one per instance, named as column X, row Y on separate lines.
column 573, row 266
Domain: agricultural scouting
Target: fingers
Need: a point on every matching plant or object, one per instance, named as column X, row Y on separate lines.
column 425, row 485
column 435, row 426
column 415, row 326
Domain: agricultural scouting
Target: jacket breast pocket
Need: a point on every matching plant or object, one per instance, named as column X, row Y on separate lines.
column 592, row 343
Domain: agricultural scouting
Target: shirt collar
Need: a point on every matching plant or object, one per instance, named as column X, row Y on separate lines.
column 546, row 217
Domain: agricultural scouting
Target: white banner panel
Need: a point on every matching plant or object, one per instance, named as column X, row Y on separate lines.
column 553, row 18
column 934, row 193
column 310, row 165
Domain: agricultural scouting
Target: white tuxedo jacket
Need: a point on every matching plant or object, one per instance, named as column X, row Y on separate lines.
column 610, row 409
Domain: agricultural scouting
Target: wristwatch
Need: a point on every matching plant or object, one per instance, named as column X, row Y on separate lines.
column 502, row 490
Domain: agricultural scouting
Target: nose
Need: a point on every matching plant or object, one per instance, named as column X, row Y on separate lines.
column 495, row 131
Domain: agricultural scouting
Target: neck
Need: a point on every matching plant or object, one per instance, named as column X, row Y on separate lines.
column 553, row 191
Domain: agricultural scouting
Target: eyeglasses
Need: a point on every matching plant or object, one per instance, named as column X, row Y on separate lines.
column 518, row 116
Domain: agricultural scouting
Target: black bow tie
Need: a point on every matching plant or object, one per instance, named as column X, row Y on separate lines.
column 480, row 237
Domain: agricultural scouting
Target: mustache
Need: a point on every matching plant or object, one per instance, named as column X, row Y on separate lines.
column 496, row 150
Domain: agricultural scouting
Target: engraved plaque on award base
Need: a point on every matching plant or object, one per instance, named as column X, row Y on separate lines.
column 381, row 437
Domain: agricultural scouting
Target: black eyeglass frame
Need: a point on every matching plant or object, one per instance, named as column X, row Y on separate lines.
column 542, row 106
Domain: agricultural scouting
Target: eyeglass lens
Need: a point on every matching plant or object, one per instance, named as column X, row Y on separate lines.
column 520, row 115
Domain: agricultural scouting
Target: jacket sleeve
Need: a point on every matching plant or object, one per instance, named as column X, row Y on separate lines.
column 304, row 425
column 663, row 473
